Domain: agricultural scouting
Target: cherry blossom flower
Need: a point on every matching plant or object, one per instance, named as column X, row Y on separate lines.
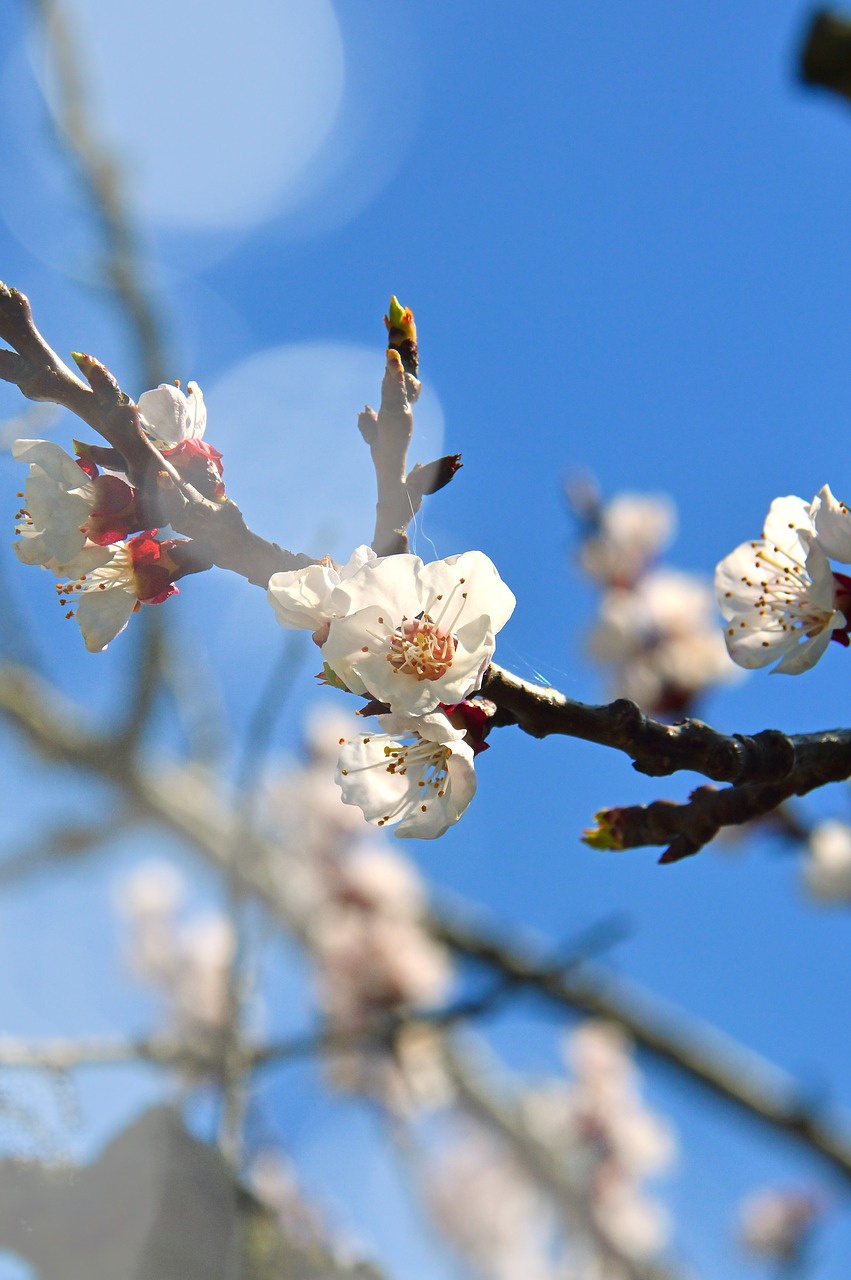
column 301, row 598
column 67, row 504
column 139, row 571
column 417, row 773
column 776, row 1223
column 176, row 423
column 606, row 1135
column 171, row 417
column 416, row 635
column 482, row 1198
column 187, row 961
column 625, row 536
column 827, row 868
column 778, row 594
column 661, row 640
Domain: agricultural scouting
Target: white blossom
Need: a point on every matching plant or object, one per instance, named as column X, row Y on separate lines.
column 483, row 1200
column 778, row 594
column 827, row 868
column 66, row 511
column 417, row 773
column 187, row 961
column 628, row 534
column 661, row 639
column 127, row 575
column 301, row 598
column 774, row 1223
column 171, row 416
column 416, row 635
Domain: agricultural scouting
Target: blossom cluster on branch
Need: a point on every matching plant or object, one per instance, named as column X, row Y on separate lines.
column 656, row 632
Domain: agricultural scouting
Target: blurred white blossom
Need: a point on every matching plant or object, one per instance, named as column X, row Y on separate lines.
column 775, row 1223
column 661, row 641
column 187, row 961
column 624, row 537
column 827, row 867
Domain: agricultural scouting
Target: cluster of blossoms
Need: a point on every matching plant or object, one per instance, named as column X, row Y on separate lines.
column 609, row 1139
column 779, row 595
column 186, row 960
column 361, row 912
column 78, row 518
column 597, row 1127
column 414, row 639
column 656, row 630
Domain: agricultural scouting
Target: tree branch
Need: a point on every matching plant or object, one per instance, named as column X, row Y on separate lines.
column 704, row 1055
column 686, row 828
column 188, row 804
column 219, row 532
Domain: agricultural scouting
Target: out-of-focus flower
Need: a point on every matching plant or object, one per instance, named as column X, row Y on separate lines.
column 187, row 961
column 273, row 1180
column 417, row 772
column 778, row 593
column 416, row 635
column 129, row 574
column 776, row 1223
column 624, row 537
column 661, row 640
column 301, row 598
column 827, row 868
column 609, row 1139
column 375, row 960
column 482, row 1199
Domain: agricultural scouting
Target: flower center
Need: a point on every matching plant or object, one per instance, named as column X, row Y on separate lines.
column 785, row 599
column 420, row 649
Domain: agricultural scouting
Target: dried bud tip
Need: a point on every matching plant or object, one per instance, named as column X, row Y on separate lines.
column 433, row 476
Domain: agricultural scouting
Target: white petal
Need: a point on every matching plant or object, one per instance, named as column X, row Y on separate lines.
column 53, row 460
column 738, row 578
column 786, row 519
column 168, row 413
column 197, row 412
column 434, row 727
column 301, row 598
column 833, row 525
column 483, row 589
column 442, row 813
column 805, row 655
column 102, row 615
column 391, row 582
column 369, row 778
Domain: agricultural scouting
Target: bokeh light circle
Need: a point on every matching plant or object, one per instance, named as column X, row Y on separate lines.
column 286, row 421
column 213, row 113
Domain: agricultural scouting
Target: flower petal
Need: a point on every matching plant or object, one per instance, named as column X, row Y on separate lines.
column 102, row 615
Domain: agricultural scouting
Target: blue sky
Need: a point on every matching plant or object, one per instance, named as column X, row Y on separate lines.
column 624, row 232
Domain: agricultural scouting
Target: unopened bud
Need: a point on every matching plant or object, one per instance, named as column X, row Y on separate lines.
column 402, row 334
